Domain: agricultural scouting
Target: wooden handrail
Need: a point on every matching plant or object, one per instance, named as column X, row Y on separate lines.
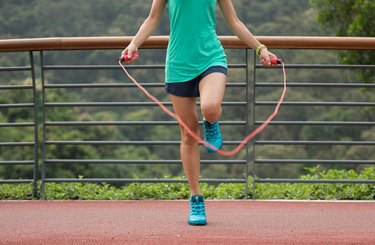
column 90, row 43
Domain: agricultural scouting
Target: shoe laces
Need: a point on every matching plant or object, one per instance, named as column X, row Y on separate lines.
column 197, row 206
column 212, row 130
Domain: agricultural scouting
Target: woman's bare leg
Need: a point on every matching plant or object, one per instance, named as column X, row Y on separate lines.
column 185, row 108
column 211, row 89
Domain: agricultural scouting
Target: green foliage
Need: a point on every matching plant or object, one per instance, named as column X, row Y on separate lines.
column 15, row 191
column 347, row 18
column 175, row 191
column 322, row 191
column 350, row 18
column 230, row 191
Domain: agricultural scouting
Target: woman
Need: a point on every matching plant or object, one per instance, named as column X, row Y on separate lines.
column 196, row 66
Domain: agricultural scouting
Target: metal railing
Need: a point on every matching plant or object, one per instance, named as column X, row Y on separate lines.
column 29, row 105
column 251, row 104
column 310, row 104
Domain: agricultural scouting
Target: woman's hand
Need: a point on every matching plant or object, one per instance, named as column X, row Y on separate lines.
column 128, row 51
column 265, row 56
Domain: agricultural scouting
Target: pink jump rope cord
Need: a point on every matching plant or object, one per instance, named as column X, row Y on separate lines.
column 196, row 137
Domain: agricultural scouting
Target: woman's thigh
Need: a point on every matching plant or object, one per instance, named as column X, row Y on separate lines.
column 212, row 89
column 186, row 109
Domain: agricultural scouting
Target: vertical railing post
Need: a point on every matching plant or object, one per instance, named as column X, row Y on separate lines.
column 247, row 128
column 36, row 124
column 43, row 174
column 254, row 118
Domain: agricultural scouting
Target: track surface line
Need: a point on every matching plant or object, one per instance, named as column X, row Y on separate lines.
column 165, row 222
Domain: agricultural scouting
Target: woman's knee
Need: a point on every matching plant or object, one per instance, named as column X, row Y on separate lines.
column 211, row 111
column 187, row 139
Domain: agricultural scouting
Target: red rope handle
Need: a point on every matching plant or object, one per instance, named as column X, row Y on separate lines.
column 196, row 137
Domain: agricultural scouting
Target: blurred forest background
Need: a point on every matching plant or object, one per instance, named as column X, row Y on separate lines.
column 68, row 18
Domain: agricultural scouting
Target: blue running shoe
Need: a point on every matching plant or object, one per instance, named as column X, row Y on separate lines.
column 197, row 214
column 212, row 135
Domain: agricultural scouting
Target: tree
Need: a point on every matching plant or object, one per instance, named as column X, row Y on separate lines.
column 350, row 18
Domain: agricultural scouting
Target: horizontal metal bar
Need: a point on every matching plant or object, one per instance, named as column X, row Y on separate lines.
column 305, row 142
column 21, row 162
column 318, row 66
column 116, row 161
column 13, row 87
column 121, row 85
column 129, row 123
column 312, row 103
column 99, row 104
column 66, row 104
column 16, row 124
column 15, row 181
column 99, row 67
column 313, row 161
column 316, row 181
column 236, row 85
column 243, row 65
column 323, row 123
column 66, row 142
column 115, row 67
column 19, row 105
column 114, row 180
column 110, row 123
column 333, row 85
column 16, row 143
column 102, row 85
column 15, row 68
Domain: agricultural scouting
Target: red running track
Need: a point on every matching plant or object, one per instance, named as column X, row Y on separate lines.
column 165, row 222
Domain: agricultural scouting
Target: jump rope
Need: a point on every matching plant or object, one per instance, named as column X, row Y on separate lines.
column 273, row 60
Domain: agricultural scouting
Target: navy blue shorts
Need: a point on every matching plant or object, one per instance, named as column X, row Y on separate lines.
column 191, row 88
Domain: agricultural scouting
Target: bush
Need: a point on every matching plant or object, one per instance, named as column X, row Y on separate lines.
column 175, row 191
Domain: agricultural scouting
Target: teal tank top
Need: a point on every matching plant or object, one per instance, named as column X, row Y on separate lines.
column 193, row 43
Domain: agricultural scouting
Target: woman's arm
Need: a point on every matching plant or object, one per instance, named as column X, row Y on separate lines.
column 146, row 29
column 241, row 31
